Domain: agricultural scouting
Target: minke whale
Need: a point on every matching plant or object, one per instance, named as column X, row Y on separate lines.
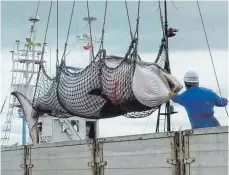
column 108, row 87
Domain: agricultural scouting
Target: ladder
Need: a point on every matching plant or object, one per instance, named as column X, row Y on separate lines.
column 9, row 116
column 162, row 117
column 69, row 129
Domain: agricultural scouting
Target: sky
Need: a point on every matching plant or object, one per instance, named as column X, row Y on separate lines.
column 187, row 50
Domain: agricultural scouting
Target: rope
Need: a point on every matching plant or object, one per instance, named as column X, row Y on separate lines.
column 131, row 34
column 156, row 61
column 134, row 42
column 167, row 66
column 66, row 43
column 135, row 52
column 210, row 52
column 104, row 21
column 164, row 47
column 57, row 32
column 174, row 5
column 43, row 48
column 138, row 16
column 161, row 18
column 46, row 31
column 88, row 14
column 73, row 46
column 163, row 32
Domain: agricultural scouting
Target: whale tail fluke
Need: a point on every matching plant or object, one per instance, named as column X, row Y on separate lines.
column 30, row 114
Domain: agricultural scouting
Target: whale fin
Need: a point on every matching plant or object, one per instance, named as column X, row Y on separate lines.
column 30, row 114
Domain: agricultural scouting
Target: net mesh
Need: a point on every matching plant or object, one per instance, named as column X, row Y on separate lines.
column 102, row 90
column 161, row 57
column 45, row 98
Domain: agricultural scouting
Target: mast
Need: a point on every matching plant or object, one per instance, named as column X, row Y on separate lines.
column 168, row 107
column 167, row 66
column 25, row 59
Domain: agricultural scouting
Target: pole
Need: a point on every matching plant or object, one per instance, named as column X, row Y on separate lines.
column 27, row 77
column 167, row 66
column 23, row 130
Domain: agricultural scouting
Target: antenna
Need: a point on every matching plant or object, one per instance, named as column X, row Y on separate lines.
column 87, row 39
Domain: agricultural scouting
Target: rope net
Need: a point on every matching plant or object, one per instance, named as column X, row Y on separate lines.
column 101, row 90
column 161, row 57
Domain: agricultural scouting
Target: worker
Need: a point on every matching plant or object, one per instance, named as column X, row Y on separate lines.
column 198, row 102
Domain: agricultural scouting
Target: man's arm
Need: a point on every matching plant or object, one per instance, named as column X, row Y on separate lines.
column 176, row 98
column 220, row 102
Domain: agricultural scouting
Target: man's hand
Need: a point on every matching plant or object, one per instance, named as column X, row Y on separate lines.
column 226, row 101
column 170, row 95
column 171, row 83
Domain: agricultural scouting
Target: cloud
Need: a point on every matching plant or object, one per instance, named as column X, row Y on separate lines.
column 186, row 19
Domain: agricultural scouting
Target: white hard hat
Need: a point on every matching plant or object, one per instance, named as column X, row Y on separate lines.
column 191, row 76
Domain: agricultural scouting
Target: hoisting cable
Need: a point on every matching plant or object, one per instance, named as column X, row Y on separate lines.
column 135, row 51
column 210, row 52
column 69, row 27
column 137, row 25
column 43, row 48
column 57, row 35
column 131, row 34
column 134, row 38
column 164, row 35
column 88, row 15
column 161, row 19
column 104, row 21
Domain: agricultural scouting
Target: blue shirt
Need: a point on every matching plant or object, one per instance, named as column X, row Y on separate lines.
column 199, row 103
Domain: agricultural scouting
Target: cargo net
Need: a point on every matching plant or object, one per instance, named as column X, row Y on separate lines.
column 161, row 57
column 102, row 90
column 45, row 98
